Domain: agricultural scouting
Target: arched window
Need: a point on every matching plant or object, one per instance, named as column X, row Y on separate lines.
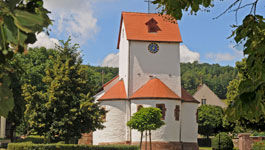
column 177, row 112
column 139, row 107
column 163, row 109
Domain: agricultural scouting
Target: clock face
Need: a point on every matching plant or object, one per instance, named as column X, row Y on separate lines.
column 153, row 47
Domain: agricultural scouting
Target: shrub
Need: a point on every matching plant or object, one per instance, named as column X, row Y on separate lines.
column 31, row 146
column 259, row 145
column 31, row 139
column 226, row 142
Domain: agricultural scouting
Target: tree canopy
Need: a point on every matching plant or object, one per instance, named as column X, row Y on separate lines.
column 233, row 94
column 63, row 108
column 210, row 120
column 20, row 20
column 146, row 119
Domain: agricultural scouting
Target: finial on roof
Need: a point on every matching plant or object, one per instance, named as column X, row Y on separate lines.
column 148, row 4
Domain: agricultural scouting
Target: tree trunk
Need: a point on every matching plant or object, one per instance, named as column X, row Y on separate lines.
column 146, row 140
column 11, row 134
column 150, row 139
column 141, row 140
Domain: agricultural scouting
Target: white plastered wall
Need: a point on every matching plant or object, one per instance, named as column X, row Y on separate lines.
column 115, row 125
column 189, row 127
column 124, row 57
column 165, row 65
column 167, row 133
column 2, row 127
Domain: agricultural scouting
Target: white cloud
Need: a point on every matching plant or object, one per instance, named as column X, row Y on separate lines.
column 74, row 18
column 186, row 55
column 43, row 40
column 112, row 60
column 220, row 57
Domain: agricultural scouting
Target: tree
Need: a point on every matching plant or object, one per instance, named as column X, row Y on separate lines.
column 64, row 109
column 19, row 21
column 252, row 35
column 209, row 120
column 15, row 117
column 233, row 94
column 6, row 95
column 146, row 119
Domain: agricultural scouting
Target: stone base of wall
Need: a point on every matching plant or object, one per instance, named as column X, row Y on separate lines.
column 87, row 139
column 159, row 145
column 190, row 146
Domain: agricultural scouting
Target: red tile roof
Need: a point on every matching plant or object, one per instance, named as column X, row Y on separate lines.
column 137, row 29
column 186, row 97
column 116, row 92
column 154, row 88
column 110, row 81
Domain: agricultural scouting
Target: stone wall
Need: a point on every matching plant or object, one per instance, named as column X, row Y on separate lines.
column 86, row 139
column 246, row 141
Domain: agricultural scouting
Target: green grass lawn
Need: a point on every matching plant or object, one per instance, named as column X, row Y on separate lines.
column 205, row 148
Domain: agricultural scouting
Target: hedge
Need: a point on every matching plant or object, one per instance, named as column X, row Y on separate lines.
column 30, row 146
column 259, row 145
column 33, row 139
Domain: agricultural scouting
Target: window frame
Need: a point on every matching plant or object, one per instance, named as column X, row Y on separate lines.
column 177, row 112
column 203, row 101
column 163, row 109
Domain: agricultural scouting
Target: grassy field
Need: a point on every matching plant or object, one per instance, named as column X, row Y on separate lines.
column 205, row 148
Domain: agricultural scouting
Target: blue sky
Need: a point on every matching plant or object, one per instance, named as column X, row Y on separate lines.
column 95, row 24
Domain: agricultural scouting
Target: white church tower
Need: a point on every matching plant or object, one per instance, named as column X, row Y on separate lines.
column 149, row 76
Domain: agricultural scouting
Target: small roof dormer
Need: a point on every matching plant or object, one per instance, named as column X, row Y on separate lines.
column 152, row 26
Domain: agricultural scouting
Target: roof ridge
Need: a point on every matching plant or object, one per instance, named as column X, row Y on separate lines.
column 140, row 13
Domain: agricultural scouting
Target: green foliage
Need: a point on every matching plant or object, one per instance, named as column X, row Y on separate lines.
column 30, row 146
column 19, row 21
column 6, row 95
column 176, row 8
column 226, row 142
column 259, row 145
column 215, row 76
column 63, row 108
column 146, row 119
column 209, row 119
column 243, row 122
column 31, row 139
column 250, row 101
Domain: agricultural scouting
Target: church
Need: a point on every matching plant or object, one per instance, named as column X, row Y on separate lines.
column 149, row 76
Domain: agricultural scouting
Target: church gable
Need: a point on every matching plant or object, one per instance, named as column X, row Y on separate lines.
column 136, row 28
